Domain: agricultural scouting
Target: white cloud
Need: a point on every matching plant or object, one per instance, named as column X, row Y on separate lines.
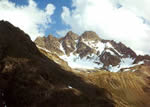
column 29, row 17
column 110, row 22
column 140, row 7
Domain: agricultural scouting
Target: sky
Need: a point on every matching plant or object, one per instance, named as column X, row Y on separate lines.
column 127, row 21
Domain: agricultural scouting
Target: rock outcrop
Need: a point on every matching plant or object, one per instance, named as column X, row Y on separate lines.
column 69, row 42
column 51, row 43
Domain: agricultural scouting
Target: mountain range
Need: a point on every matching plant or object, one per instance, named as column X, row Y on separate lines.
column 46, row 73
column 89, row 51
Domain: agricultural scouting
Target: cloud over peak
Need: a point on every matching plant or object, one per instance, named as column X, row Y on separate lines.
column 112, row 19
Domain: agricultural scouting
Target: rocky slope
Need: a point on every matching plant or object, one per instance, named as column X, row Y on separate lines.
column 90, row 51
column 30, row 79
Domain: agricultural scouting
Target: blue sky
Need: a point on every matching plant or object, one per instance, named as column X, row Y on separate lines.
column 57, row 23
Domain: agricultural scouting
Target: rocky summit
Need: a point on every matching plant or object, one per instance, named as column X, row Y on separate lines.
column 40, row 75
column 89, row 51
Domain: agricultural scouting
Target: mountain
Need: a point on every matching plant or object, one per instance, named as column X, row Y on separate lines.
column 28, row 78
column 33, row 76
column 89, row 51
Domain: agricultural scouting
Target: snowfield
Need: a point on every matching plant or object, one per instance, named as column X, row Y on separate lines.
column 93, row 61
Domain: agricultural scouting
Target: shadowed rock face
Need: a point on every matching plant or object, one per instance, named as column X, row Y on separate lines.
column 83, row 50
column 121, row 48
column 30, row 79
column 68, row 42
column 109, row 59
column 145, row 58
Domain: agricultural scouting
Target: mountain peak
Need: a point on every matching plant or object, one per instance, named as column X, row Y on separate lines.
column 50, row 43
column 51, row 38
column 71, row 35
column 90, row 35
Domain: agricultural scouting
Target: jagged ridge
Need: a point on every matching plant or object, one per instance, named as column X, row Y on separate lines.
column 90, row 51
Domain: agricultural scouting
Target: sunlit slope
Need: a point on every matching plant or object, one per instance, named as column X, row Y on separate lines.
column 128, row 89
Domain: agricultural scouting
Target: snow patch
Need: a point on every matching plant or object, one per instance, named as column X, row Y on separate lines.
column 75, row 61
column 76, row 41
column 134, row 70
column 43, row 49
column 127, row 70
column 141, row 62
column 100, row 47
column 125, row 63
column 108, row 45
column 61, row 48
column 69, row 87
column 111, row 52
column 68, row 46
